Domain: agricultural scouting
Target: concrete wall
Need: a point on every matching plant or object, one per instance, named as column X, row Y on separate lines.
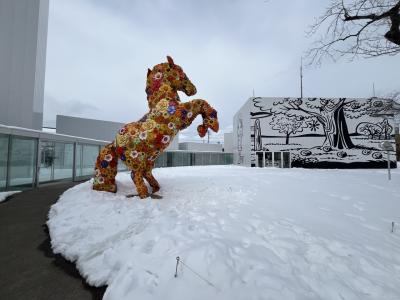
column 228, row 142
column 23, row 41
column 241, row 136
column 192, row 146
column 87, row 128
column 95, row 129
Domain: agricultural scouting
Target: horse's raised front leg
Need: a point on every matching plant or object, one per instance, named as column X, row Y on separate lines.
column 193, row 109
column 155, row 186
column 141, row 188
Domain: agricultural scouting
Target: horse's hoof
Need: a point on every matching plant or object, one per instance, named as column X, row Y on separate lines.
column 202, row 130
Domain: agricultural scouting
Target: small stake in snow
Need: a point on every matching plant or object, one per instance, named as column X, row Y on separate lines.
column 392, row 227
column 177, row 263
column 387, row 146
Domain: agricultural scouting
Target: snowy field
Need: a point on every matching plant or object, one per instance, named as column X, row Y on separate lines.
column 5, row 195
column 248, row 233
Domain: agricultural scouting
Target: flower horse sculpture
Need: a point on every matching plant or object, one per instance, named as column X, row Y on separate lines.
column 138, row 144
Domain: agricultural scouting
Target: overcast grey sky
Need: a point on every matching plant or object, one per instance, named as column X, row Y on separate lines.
column 98, row 53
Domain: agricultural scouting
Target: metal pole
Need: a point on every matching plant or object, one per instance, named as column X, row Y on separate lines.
column 8, row 166
column 38, row 159
column 301, row 78
column 388, row 160
column 74, row 163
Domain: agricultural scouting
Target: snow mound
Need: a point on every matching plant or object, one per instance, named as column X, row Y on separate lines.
column 5, row 195
column 242, row 233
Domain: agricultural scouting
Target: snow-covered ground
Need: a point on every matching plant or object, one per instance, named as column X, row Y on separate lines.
column 5, row 195
column 251, row 233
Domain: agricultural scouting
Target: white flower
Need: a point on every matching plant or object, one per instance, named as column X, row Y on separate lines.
column 158, row 76
column 134, row 154
column 108, row 157
column 171, row 125
column 143, row 135
column 189, row 114
column 165, row 139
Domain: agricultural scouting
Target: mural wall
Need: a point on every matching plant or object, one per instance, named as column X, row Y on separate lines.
column 322, row 132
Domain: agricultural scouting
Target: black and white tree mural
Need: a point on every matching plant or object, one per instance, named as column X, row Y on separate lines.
column 288, row 124
column 323, row 132
column 330, row 113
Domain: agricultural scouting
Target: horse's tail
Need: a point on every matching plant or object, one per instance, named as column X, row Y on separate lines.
column 106, row 169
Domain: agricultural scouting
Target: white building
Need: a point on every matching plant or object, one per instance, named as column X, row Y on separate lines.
column 23, row 39
column 313, row 132
column 228, row 142
column 199, row 147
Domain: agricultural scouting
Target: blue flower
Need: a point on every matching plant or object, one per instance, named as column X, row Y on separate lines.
column 104, row 164
column 171, row 109
column 213, row 114
column 122, row 157
column 184, row 114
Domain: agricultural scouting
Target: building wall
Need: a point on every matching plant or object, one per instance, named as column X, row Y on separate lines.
column 228, row 142
column 241, row 138
column 320, row 132
column 23, row 36
column 192, row 146
column 87, row 128
column 95, row 129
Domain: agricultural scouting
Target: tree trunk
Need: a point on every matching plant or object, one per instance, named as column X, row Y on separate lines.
column 287, row 138
column 341, row 137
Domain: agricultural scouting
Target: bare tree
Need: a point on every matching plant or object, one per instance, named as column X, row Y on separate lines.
column 366, row 28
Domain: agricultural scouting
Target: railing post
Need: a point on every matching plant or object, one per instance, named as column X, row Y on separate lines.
column 74, row 163
column 9, row 149
column 38, row 161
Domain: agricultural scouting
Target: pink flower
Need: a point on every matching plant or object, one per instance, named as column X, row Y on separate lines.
column 157, row 76
column 165, row 139
column 134, row 154
column 143, row 135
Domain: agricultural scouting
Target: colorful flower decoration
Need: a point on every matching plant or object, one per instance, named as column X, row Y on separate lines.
column 138, row 144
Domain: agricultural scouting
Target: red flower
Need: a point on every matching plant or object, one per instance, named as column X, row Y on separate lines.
column 159, row 138
column 156, row 85
column 113, row 163
column 120, row 150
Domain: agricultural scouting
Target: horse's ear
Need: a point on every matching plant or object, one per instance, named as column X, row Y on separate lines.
column 148, row 72
column 170, row 61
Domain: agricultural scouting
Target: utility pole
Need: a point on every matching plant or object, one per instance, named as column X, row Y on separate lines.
column 373, row 89
column 253, row 94
column 208, row 136
column 301, row 78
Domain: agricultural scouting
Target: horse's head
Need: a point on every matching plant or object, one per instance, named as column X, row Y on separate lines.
column 171, row 75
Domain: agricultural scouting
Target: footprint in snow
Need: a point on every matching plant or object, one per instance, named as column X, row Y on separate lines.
column 358, row 206
column 355, row 217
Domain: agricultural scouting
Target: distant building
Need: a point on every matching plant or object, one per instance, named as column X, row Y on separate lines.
column 228, row 142
column 23, row 40
column 313, row 132
column 95, row 129
column 198, row 147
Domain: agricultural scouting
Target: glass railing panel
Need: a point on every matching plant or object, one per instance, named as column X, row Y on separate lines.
column 46, row 161
column 63, row 161
column 22, row 161
column 78, row 160
column 89, row 156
